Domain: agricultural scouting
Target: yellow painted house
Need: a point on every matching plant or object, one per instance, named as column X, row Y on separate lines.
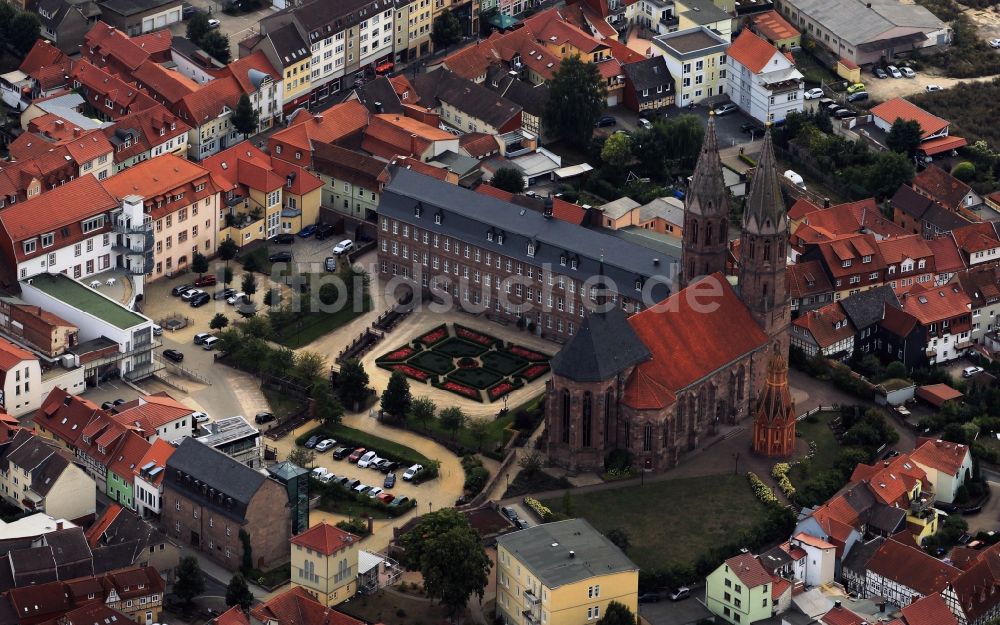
column 325, row 563
column 563, row 573
column 262, row 196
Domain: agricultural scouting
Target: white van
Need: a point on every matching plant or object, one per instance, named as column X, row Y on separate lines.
column 319, row 472
column 366, row 459
column 796, row 179
column 210, row 343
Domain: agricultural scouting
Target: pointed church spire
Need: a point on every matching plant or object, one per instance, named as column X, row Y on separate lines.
column 774, row 412
column 707, row 193
column 765, row 208
column 706, row 214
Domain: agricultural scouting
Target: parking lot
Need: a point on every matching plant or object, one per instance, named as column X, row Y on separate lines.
column 667, row 612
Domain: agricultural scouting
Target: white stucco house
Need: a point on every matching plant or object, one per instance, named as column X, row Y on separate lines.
column 762, row 80
column 946, row 465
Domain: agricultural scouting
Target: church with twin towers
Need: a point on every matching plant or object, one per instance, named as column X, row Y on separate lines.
column 662, row 381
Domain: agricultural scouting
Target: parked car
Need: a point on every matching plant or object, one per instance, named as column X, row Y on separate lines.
column 412, row 472
column 308, row 231
column 325, row 444
column 341, row 452
column 280, row 257
column 200, row 417
column 909, row 73
column 522, row 524
column 224, row 293
column 157, row 330
column 187, row 295
column 751, row 127
column 726, row 109
column 644, row 123
column 239, row 296
column 187, row 11
column 399, row 501
column 390, row 480
column 326, row 479
column 263, row 417
column 374, row 492
column 319, row 472
column 200, row 300
column 366, row 459
column 343, row 247
column 206, row 280
column 323, row 231
column 108, row 405
column 880, row 73
column 968, row 372
column 509, row 512
column 681, row 593
column 386, row 498
column 173, row 354
column 330, row 263
column 995, row 43
column 813, row 93
column 894, row 71
column 605, row 121
column 213, row 24
column 361, row 489
column 285, row 238
column 649, row 597
column 356, row 455
column 385, row 465
column 376, row 463
column 200, row 337
column 856, row 87
column 181, row 289
column 843, row 113
column 118, row 402
column 933, row 88
column 311, row 442
column 858, row 96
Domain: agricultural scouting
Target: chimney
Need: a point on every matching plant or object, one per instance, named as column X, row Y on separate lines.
column 378, row 107
column 572, row 554
column 656, row 262
column 77, row 132
column 836, row 604
column 547, row 210
column 59, row 525
column 371, row 525
column 826, row 202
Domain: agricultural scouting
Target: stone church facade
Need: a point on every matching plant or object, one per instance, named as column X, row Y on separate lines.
column 657, row 383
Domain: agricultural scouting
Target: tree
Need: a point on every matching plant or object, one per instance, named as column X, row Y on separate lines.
column 447, row 30
column 301, row 456
column 422, row 409
column 327, row 408
column 509, row 179
column 577, row 97
column 199, row 264
column 227, row 275
column 7, row 15
column 23, row 31
column 352, row 383
column 309, row 367
column 217, row 46
column 531, row 463
column 272, row 298
column 238, row 593
column 450, row 556
column 258, row 327
column 617, row 614
column 890, row 171
column 228, row 250
column 249, row 284
column 964, row 171
column 247, row 551
column 617, row 152
column 452, row 418
column 904, row 136
column 190, row 581
column 197, row 27
column 619, row 537
column 397, row 400
column 218, row 322
column 479, row 430
column 245, row 117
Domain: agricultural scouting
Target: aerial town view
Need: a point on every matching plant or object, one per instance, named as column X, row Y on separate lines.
column 499, row 312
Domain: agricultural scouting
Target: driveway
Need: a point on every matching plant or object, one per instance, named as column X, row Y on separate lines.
column 667, row 612
column 989, row 518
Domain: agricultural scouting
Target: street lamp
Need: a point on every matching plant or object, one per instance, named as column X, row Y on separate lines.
column 736, row 468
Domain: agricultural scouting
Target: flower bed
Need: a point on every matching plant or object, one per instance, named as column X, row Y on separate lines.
column 527, row 354
column 497, row 391
column 534, row 372
column 760, row 489
column 461, row 389
column 433, row 362
column 398, row 355
column 435, row 336
column 780, row 472
column 476, row 337
column 412, row 372
column 538, row 508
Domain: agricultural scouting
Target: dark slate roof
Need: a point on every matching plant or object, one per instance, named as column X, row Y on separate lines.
column 379, row 91
column 943, row 219
column 193, row 468
column 469, row 216
column 867, row 308
column 911, row 202
column 861, row 553
column 887, row 519
column 860, row 499
column 45, row 476
column 322, row 18
column 649, row 74
column 115, row 557
column 531, row 98
column 605, row 346
column 32, row 566
column 132, row 7
column 470, row 98
column 288, row 44
column 70, row 549
column 774, row 558
column 545, row 551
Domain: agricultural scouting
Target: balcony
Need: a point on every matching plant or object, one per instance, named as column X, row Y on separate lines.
column 530, row 598
column 922, row 503
column 670, row 22
column 530, row 618
column 127, row 228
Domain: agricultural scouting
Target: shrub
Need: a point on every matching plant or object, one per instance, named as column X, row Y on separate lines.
column 964, row 171
column 476, row 475
column 540, row 509
column 780, row 473
column 761, row 490
column 618, row 460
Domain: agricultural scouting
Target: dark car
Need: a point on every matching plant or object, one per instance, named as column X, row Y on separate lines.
column 341, row 452
column 181, row 289
column 187, row 11
column 330, row 263
column 843, row 113
column 323, row 231
column 387, row 466
column 286, row 238
column 280, row 257
column 750, row 127
column 224, row 294
column 859, row 96
column 390, row 480
column 509, row 512
column 308, row 231
column 173, row 354
column 108, row 405
column 649, row 597
column 208, row 280
column 119, row 401
column 605, row 121
column 263, row 417
column 200, row 300
column 311, row 442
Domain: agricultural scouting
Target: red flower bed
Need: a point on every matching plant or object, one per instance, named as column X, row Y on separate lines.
column 400, row 354
column 534, row 371
column 461, row 389
column 472, row 335
column 499, row 390
column 413, row 372
column 527, row 354
column 434, row 336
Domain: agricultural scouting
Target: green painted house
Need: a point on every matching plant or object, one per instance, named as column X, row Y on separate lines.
column 122, row 468
column 739, row 591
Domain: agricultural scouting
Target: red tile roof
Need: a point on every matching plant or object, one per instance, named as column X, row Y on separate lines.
column 898, row 108
column 209, row 101
column 941, row 186
column 390, row 135
column 934, row 304
column 232, row 616
column 46, row 64
column 105, row 44
column 168, row 85
column 930, row 610
column 827, row 325
column 947, row 258
column 749, row 570
column 892, row 481
column 750, row 51
column 95, row 531
column 771, row 25
column 244, row 165
column 297, row 607
column 101, row 86
column 325, row 539
column 938, row 394
column 945, row 456
column 162, row 179
column 334, row 124
column 977, row 237
column 688, row 344
column 912, row 567
column 158, row 453
column 812, row 541
column 806, row 279
column 478, row 145
column 421, row 167
column 126, row 459
column 240, row 70
column 65, row 416
column 911, row 246
column 150, row 413
column 841, row 616
column 976, row 587
column 155, row 43
column 801, row 208
column 11, row 355
column 143, row 129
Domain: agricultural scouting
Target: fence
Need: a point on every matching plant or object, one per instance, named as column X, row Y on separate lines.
column 815, row 410
column 360, row 345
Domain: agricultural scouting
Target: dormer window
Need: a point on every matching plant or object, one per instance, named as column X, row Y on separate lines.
column 277, row 149
column 48, row 239
column 846, row 263
column 866, row 259
column 562, row 260
column 418, row 210
column 531, row 250
column 199, row 188
column 500, row 239
column 489, row 235
column 298, row 155
column 573, row 264
column 638, row 284
column 437, row 218
column 163, row 131
column 30, row 246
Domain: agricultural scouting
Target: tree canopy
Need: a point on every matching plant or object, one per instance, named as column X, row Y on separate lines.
column 190, row 580
column 245, row 118
column 577, row 97
column 904, row 136
column 447, row 30
column 238, row 592
column 197, row 27
column 617, row 614
column 352, row 383
column 397, row 400
column 217, row 46
column 509, row 179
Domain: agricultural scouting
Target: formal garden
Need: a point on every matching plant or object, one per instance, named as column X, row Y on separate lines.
column 467, row 362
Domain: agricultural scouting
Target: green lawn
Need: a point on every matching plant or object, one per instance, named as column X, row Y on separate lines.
column 673, row 521
column 311, row 326
column 281, row 405
column 827, row 447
